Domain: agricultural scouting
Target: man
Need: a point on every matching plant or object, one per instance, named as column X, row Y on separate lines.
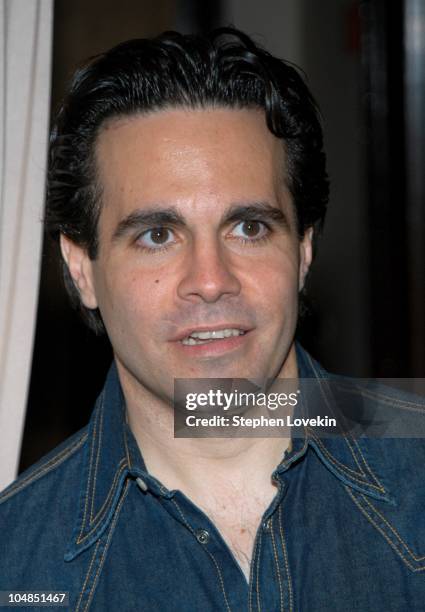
column 186, row 189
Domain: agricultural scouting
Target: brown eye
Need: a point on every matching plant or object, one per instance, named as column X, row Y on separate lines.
column 155, row 238
column 159, row 235
column 251, row 228
column 250, row 231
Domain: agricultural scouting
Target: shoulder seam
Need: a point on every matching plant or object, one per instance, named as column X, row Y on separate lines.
column 44, row 468
column 387, row 398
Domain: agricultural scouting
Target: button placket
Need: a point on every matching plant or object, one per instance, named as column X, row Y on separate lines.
column 203, row 536
column 267, row 525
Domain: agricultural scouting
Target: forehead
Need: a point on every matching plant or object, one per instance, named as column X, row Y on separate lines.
column 187, row 155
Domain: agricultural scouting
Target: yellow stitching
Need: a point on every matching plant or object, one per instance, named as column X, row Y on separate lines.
column 45, row 468
column 89, row 533
column 353, row 453
column 368, row 466
column 347, row 442
column 127, row 452
column 363, row 511
column 116, row 476
column 285, row 554
column 363, row 457
column 90, row 471
column 398, row 536
column 341, row 465
column 359, row 449
column 330, row 408
column 221, row 579
column 105, row 550
column 385, row 399
column 206, row 550
column 87, row 575
column 331, row 458
column 284, row 461
column 99, row 444
column 251, row 573
column 277, row 565
column 211, row 555
column 258, row 573
column 183, row 517
column 344, row 436
column 390, row 542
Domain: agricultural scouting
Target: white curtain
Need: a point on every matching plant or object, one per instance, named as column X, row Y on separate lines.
column 25, row 67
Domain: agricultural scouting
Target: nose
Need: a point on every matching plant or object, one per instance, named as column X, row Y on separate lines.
column 208, row 276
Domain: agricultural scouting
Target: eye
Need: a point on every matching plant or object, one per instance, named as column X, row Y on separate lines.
column 155, row 238
column 250, row 230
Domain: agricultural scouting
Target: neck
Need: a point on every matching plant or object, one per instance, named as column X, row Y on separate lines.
column 195, row 465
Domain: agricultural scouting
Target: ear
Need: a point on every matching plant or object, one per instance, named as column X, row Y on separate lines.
column 81, row 270
column 306, row 256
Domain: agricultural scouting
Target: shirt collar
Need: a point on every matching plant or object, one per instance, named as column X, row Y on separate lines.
column 347, row 458
column 112, row 456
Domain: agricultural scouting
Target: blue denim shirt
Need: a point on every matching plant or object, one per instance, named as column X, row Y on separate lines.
column 345, row 531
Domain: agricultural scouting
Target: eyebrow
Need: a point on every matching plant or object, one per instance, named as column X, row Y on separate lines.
column 148, row 218
column 259, row 211
column 154, row 217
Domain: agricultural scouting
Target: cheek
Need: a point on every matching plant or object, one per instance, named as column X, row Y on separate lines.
column 121, row 299
column 140, row 296
column 141, row 299
column 277, row 280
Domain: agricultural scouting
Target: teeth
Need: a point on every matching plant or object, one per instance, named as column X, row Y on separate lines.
column 196, row 337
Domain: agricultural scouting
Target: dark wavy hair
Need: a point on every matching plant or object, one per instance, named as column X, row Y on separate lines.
column 223, row 69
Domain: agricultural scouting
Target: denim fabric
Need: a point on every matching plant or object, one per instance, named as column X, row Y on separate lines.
column 345, row 532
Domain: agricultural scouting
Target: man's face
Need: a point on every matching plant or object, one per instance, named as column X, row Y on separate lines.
column 197, row 234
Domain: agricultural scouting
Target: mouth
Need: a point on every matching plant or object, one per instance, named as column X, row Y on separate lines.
column 196, row 338
column 212, row 340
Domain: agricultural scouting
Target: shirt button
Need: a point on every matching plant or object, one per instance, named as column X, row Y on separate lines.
column 202, row 536
column 142, row 484
column 267, row 525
